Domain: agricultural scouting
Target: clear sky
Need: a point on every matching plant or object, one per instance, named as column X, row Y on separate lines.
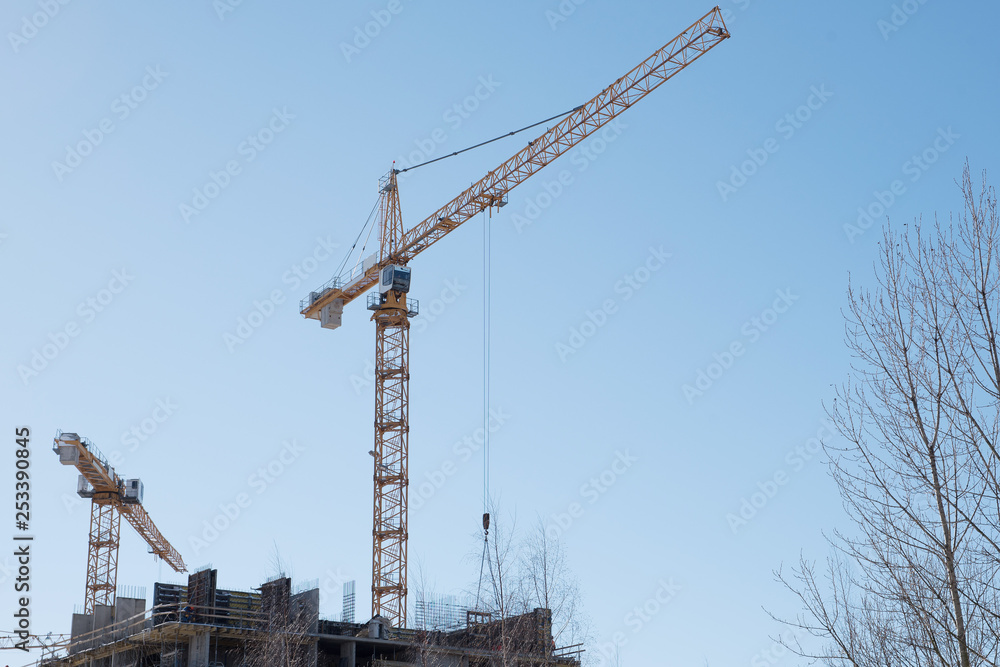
column 723, row 197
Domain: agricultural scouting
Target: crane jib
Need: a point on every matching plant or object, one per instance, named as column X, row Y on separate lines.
column 106, row 486
column 491, row 191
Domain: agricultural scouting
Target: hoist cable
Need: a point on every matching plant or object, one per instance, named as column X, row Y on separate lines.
column 347, row 256
column 502, row 136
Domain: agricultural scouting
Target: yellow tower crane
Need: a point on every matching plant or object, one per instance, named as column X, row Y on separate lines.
column 111, row 498
column 392, row 311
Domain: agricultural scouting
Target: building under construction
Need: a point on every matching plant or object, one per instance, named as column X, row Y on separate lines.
column 200, row 625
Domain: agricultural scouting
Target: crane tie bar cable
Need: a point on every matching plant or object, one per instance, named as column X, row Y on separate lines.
column 502, row 136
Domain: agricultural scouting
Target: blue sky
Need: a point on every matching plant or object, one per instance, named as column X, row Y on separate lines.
column 735, row 180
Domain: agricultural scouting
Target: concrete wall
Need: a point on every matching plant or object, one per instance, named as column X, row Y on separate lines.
column 104, row 615
column 125, row 609
column 81, row 625
column 305, row 607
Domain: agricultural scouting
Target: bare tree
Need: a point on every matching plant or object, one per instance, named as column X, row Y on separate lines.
column 525, row 586
column 915, row 581
column 547, row 582
column 286, row 629
column 283, row 638
column 499, row 586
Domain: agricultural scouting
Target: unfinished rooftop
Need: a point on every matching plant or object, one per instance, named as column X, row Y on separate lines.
column 200, row 625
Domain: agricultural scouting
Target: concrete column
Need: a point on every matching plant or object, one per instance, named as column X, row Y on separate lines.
column 198, row 649
column 348, row 651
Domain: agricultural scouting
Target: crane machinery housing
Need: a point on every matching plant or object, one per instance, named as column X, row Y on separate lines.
column 111, row 498
column 391, row 308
